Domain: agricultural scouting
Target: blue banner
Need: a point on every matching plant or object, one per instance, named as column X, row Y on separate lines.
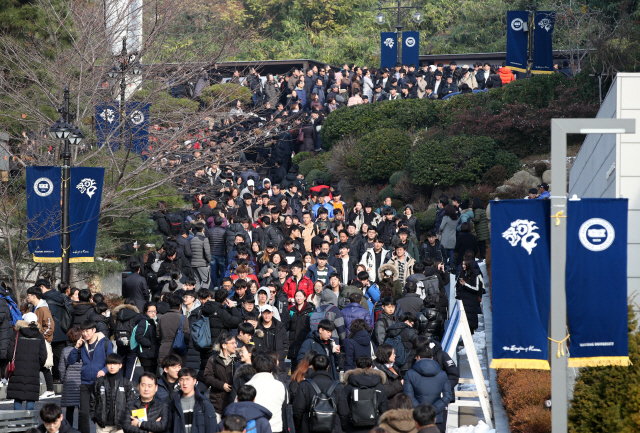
column 517, row 40
column 84, row 211
column 521, row 283
column 542, row 43
column 107, row 118
column 388, row 49
column 137, row 128
column 411, row 48
column 43, row 213
column 596, row 282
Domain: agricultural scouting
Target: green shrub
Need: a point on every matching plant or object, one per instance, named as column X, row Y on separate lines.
column 395, row 177
column 427, row 219
column 164, row 107
column 299, row 157
column 306, row 166
column 508, row 160
column 381, row 153
column 314, row 163
column 315, row 174
column 397, row 204
column 495, row 176
column 387, row 191
column 225, row 93
column 458, row 160
column 537, row 91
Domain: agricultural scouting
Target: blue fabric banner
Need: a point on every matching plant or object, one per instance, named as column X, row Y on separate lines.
column 137, row 127
column 521, row 279
column 84, row 210
column 542, row 43
column 517, row 40
column 388, row 49
column 43, row 213
column 411, row 48
column 107, row 118
column 596, row 282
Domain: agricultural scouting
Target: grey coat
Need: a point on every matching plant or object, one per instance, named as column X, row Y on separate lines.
column 167, row 329
column 70, row 377
column 201, row 251
column 448, row 231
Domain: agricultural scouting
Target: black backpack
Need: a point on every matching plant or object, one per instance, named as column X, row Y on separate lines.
column 123, row 332
column 363, row 407
column 323, row 411
column 175, row 222
column 431, row 291
column 67, row 316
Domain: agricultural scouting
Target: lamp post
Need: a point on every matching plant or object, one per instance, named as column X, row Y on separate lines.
column 532, row 8
column 62, row 129
column 417, row 17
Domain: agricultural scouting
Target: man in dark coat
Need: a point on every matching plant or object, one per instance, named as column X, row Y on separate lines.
column 324, row 380
column 217, row 247
column 411, row 301
column 135, row 288
column 408, row 335
column 110, row 396
column 219, row 372
column 223, row 316
column 321, row 342
column 157, row 411
column 56, row 302
column 365, row 376
column 201, row 418
column 84, row 308
column 275, row 334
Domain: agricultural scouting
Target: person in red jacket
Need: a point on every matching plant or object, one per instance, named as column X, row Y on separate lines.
column 505, row 74
column 297, row 281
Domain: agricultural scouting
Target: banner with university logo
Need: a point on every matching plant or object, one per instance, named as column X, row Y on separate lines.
column 138, row 127
column 107, row 118
column 596, row 282
column 411, row 48
column 388, row 49
column 542, row 43
column 84, row 211
column 521, row 280
column 43, row 213
column 517, row 40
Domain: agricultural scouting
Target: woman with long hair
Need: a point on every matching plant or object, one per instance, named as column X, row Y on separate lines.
column 269, row 271
column 448, row 231
column 358, row 344
column 307, row 260
column 469, row 289
column 385, row 357
column 299, row 325
column 264, row 257
column 314, row 298
column 302, row 371
column 356, row 216
column 283, row 205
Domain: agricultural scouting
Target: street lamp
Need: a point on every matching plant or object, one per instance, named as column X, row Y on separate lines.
column 380, row 19
column 126, row 64
column 61, row 129
column 76, row 137
column 417, row 17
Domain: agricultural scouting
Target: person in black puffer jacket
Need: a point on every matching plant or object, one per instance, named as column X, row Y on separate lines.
column 299, row 325
column 157, row 411
column 384, row 362
column 31, row 355
column 7, row 334
column 83, row 309
column 408, row 335
column 221, row 318
column 104, row 324
column 111, row 394
column 358, row 344
column 127, row 317
column 147, row 339
column 366, row 376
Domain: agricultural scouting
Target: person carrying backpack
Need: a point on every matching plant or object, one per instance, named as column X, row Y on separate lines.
column 386, row 318
column 168, row 326
column 402, row 336
column 366, row 395
column 7, row 334
column 145, row 341
column 127, row 317
column 329, row 310
column 320, row 405
column 257, row 416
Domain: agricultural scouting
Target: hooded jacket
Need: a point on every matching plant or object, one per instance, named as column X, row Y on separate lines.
column 313, row 342
column 369, row 261
column 276, row 314
column 135, row 288
column 291, row 286
column 408, row 266
column 370, row 378
column 380, row 328
column 65, row 427
column 355, row 311
column 412, row 221
column 393, row 385
column 249, row 411
column 83, row 310
column 427, row 383
column 147, row 338
column 165, row 389
column 398, row 421
column 45, row 320
column 299, row 326
column 31, row 355
column 312, row 273
column 275, row 338
column 408, row 335
column 7, row 334
column 91, row 365
column 105, row 400
column 201, row 251
column 506, row 75
column 435, row 252
column 359, row 345
column 126, row 313
column 397, row 285
column 204, row 417
column 481, row 224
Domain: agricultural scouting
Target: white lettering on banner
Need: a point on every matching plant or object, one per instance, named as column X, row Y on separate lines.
column 604, row 343
column 522, row 231
column 108, row 114
column 596, row 234
column 545, row 24
column 43, row 186
column 517, row 24
column 389, row 42
column 410, row 42
column 87, row 185
column 519, row 349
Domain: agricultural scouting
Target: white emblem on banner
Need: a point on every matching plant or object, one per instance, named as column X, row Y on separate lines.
column 517, row 24
column 522, row 231
column 87, row 185
column 410, row 42
column 108, row 115
column 389, row 42
column 545, row 23
column 137, row 117
column 596, row 234
column 43, row 186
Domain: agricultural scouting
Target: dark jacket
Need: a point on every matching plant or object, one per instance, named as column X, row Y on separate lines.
column 217, row 243
column 312, row 273
column 31, row 354
column 435, row 252
column 313, row 342
column 83, row 310
column 425, row 383
column 165, row 390
column 410, row 303
column 275, row 338
column 167, row 327
column 393, row 384
column 409, row 337
column 443, row 302
column 126, row 313
column 56, row 301
column 204, row 417
column 243, row 374
column 370, row 378
column 108, row 405
column 380, row 328
column 304, row 397
column 359, row 345
column 155, row 409
column 185, row 246
column 230, row 235
column 351, row 269
column 220, row 319
column 468, row 294
column 446, row 364
column 201, row 251
column 355, row 311
column 147, row 338
column 250, row 411
column 104, row 324
column 91, row 365
column 7, row 334
column 298, row 327
column 70, row 378
column 135, row 288
column 65, row 427
column 465, row 242
column 163, row 224
column 439, row 216
column 216, row 375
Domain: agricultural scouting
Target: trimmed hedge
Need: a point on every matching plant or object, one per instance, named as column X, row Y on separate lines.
column 524, row 393
column 225, row 93
column 380, row 154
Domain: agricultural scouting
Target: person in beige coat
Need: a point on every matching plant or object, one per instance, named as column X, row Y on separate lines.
column 399, row 417
column 468, row 78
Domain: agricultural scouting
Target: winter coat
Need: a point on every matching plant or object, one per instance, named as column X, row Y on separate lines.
column 408, row 267
column 201, row 251
column 242, row 375
column 359, row 345
column 7, row 334
column 193, row 355
column 468, row 294
column 393, row 384
column 230, row 235
column 414, row 224
column 105, row 400
column 70, row 378
column 438, row 222
column 272, row 92
column 393, row 279
column 217, row 373
column 304, row 397
column 380, row 328
column 410, row 303
column 350, row 271
column 448, row 232
column 204, row 417
column 355, row 311
column 135, row 288
column 398, row 421
column 104, row 324
column 408, row 335
column 271, row 394
column 291, row 286
column 465, row 242
column 506, row 75
column 313, row 342
column 275, row 338
column 466, row 216
column 220, row 319
column 312, row 273
column 217, row 243
column 155, row 409
column 469, row 80
column 65, row 427
column 369, row 261
column 481, row 224
column 147, row 338
column 386, row 230
column 126, row 313
column 45, row 320
column 31, row 354
column 83, row 310
column 167, row 328
column 165, row 389
column 370, row 378
column 443, row 302
column 249, row 411
column 435, row 252
column 91, row 365
column 162, row 223
column 298, row 327
column 425, row 383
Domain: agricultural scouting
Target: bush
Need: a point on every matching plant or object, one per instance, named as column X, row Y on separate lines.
column 314, row 163
column 538, row 91
column 315, row 174
column 495, row 176
column 387, row 191
column 405, row 189
column 524, row 393
column 458, row 160
column 508, row 160
column 427, row 219
column 483, row 192
column 540, row 168
column 225, row 93
column 381, row 153
column 367, row 194
column 395, row 177
column 301, row 156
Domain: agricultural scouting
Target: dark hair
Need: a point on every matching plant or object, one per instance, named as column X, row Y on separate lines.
column 101, row 307
column 388, row 300
column 418, row 268
column 363, row 362
column 113, row 358
column 263, row 363
column 407, row 316
column 88, row 324
column 444, row 200
column 246, row 328
column 246, row 393
column 327, row 325
column 187, row 371
column 320, row 363
column 363, row 275
column 383, row 353
column 220, row 295
column 62, row 287
column 465, row 228
column 74, row 335
column 424, row 414
column 203, row 294
column 411, row 287
column 303, row 366
column 35, row 291
column 174, row 301
column 84, row 295
column 50, row 412
column 451, row 212
column 171, row 360
column 401, row 401
column 134, row 266
column 234, row 423
column 148, row 375
column 225, row 337
column 358, row 325
column 355, row 297
column 424, row 351
column 98, row 297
